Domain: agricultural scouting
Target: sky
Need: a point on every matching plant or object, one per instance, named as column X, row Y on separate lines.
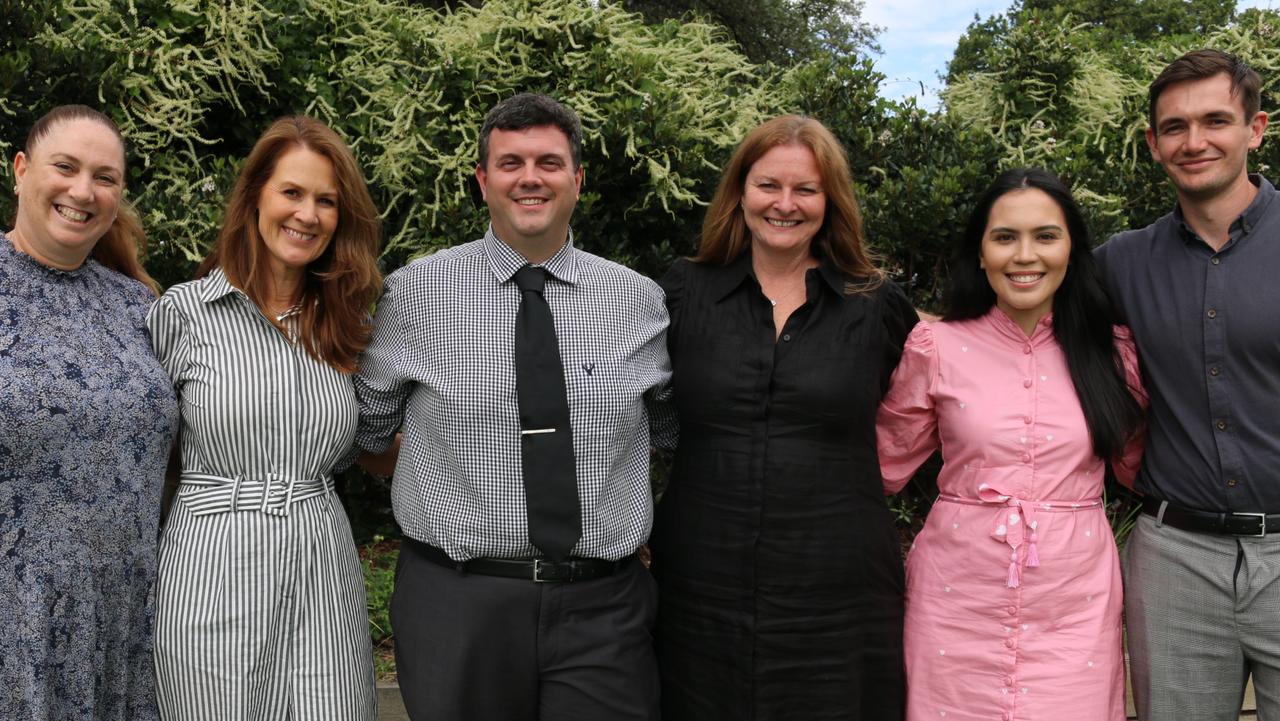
column 919, row 37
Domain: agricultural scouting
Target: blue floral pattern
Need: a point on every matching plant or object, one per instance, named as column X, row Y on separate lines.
column 88, row 419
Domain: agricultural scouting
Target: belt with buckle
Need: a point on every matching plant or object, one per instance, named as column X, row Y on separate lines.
column 1225, row 523
column 538, row 570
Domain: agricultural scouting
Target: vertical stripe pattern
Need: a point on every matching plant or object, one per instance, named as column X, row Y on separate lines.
column 260, row 605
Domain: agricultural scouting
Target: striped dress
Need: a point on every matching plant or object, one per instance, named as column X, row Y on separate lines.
column 260, row 604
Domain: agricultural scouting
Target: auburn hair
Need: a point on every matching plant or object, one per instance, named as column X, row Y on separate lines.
column 341, row 285
column 841, row 240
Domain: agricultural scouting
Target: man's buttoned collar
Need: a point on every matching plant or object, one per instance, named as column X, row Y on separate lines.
column 504, row 261
column 1247, row 221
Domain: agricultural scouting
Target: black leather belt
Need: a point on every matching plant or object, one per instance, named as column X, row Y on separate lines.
column 539, row 570
column 1227, row 524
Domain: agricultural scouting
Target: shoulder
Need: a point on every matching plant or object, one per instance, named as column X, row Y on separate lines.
column 593, row 269
column 132, row 292
column 1138, row 243
column 455, row 259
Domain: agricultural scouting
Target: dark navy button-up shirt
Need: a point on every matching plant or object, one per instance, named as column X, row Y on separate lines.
column 1207, row 326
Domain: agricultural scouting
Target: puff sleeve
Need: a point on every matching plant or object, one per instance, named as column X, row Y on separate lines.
column 907, row 422
column 169, row 329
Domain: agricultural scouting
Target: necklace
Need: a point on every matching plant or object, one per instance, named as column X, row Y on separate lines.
column 774, row 301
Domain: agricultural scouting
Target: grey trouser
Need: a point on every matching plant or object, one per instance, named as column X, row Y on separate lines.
column 1203, row 613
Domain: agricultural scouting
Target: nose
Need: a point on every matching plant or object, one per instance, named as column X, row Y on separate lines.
column 529, row 174
column 786, row 201
column 1024, row 251
column 81, row 189
column 1195, row 138
column 306, row 212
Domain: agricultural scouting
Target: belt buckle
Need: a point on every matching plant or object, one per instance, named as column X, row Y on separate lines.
column 1262, row 524
column 538, row 563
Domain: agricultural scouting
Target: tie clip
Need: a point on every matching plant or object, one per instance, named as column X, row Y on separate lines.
column 536, row 431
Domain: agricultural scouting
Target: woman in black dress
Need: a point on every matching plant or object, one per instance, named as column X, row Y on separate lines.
column 779, row 567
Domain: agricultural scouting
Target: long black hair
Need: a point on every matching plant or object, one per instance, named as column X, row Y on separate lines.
column 1082, row 310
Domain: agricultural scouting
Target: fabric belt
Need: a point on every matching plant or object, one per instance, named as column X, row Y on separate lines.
column 1017, row 524
column 206, row 494
column 538, row 570
column 1226, row 523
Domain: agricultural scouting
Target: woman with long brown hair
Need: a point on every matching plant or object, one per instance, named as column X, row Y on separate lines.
column 779, row 567
column 88, row 418
column 260, row 599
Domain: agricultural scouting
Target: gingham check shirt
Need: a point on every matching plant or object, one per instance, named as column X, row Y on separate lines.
column 440, row 364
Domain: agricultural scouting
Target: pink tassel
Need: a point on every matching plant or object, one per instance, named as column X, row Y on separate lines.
column 1013, row 575
column 1033, row 558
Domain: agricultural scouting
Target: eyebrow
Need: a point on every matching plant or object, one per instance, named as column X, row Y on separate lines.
column 1003, row 229
column 78, row 161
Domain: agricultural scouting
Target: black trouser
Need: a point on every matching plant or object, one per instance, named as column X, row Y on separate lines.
column 479, row 648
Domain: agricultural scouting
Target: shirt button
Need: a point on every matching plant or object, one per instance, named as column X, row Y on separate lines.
column 1026, row 419
column 1222, row 425
column 1026, row 349
column 1026, row 383
column 1012, row 610
column 1026, row 457
column 1005, row 716
column 1010, row 643
column 1214, row 370
column 1215, row 260
column 1008, row 680
column 786, row 337
column 1212, row 313
column 1231, row 483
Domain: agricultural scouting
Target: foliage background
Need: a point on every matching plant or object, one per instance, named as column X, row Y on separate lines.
column 665, row 90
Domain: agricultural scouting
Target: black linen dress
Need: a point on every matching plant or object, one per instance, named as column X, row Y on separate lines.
column 780, row 574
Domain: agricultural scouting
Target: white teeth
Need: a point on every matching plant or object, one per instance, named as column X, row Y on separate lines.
column 531, row 201
column 781, row 223
column 295, row 234
column 1026, row 278
column 71, row 214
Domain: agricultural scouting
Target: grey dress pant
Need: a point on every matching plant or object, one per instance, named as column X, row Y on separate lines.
column 1203, row 614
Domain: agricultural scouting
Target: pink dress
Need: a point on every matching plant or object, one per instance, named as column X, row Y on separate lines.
column 1013, row 586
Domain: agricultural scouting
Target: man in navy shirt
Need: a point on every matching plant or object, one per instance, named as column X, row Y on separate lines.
column 1199, row 289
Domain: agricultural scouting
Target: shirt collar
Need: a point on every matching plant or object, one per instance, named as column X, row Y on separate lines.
column 1248, row 220
column 216, row 286
column 727, row 278
column 504, row 260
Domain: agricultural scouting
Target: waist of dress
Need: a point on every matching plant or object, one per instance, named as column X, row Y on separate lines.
column 1015, row 523
column 205, row 494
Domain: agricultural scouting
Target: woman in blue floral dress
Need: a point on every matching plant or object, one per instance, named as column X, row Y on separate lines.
column 88, row 417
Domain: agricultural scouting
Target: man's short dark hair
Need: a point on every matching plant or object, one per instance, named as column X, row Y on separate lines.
column 1204, row 64
column 531, row 110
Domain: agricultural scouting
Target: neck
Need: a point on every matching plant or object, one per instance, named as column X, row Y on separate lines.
column 536, row 250
column 65, row 261
column 773, row 264
column 286, row 290
column 1211, row 217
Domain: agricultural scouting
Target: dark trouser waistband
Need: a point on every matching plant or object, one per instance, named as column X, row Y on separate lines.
column 1226, row 524
column 539, row 570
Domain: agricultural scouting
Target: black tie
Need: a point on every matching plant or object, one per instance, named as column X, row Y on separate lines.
column 546, row 440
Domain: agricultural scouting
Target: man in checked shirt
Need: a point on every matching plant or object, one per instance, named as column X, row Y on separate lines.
column 488, row 624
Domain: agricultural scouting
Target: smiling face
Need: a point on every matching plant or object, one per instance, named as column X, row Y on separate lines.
column 1202, row 137
column 783, row 202
column 297, row 212
column 531, row 187
column 69, row 190
column 1025, row 252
